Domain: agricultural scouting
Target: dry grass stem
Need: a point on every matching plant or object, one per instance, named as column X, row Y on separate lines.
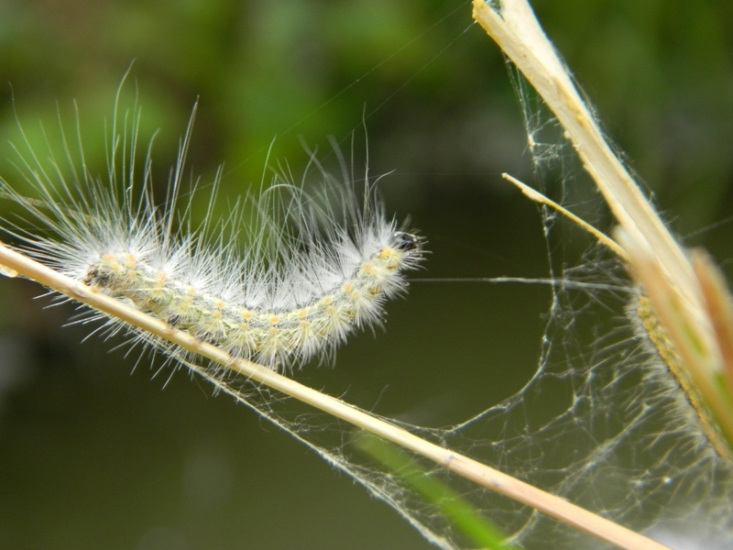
column 654, row 255
column 17, row 263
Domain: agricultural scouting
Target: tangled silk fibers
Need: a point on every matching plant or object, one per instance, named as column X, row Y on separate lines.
column 312, row 267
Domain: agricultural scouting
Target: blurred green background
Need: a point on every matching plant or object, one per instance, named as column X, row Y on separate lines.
column 92, row 456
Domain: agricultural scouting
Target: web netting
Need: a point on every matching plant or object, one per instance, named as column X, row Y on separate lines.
column 601, row 423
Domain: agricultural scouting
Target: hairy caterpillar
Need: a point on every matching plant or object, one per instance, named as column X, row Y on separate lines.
column 315, row 267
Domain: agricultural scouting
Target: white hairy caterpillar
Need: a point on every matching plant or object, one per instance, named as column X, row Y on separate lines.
column 316, row 266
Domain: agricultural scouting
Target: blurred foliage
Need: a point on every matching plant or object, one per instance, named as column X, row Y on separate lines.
column 661, row 74
column 439, row 110
column 261, row 69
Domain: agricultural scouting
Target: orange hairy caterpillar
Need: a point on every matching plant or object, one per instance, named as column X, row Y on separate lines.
column 316, row 265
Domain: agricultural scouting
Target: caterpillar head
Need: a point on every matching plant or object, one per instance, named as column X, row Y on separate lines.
column 411, row 246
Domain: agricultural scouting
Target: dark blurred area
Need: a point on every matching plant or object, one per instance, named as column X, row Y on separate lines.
column 95, row 454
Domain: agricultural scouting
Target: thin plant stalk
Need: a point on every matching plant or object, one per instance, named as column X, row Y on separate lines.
column 655, row 257
column 16, row 263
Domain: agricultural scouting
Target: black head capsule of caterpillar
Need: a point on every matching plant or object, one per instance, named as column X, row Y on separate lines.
column 407, row 242
column 410, row 247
